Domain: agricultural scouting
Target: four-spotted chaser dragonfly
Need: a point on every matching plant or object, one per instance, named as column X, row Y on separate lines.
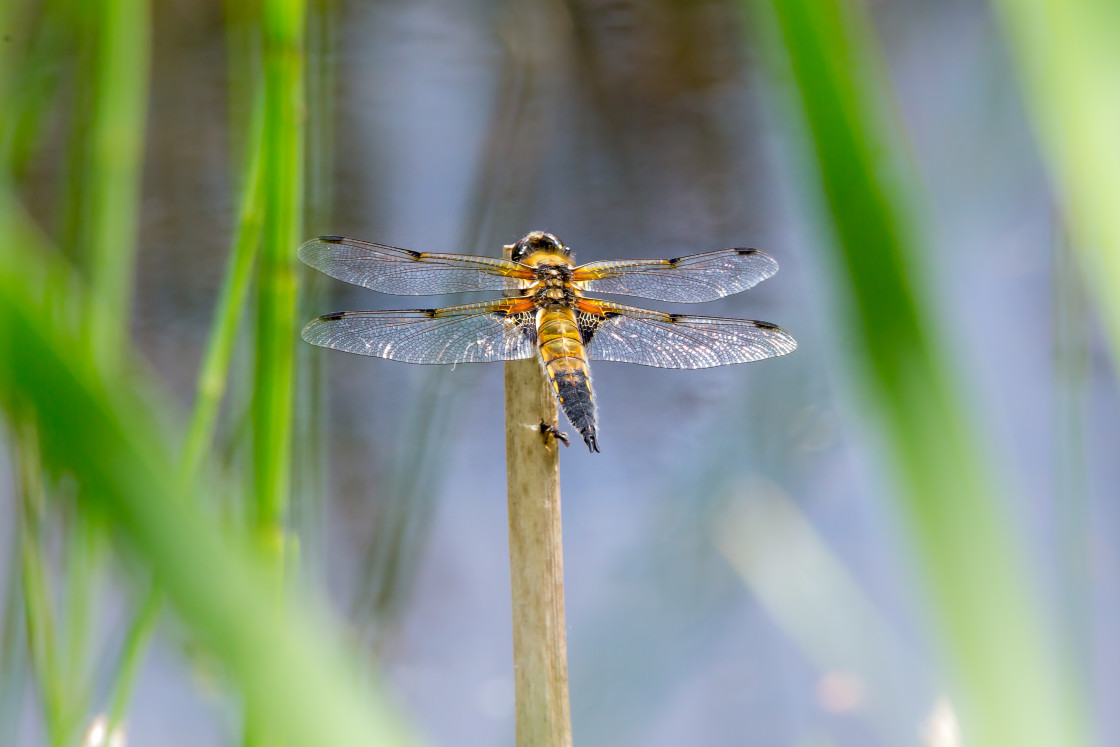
column 546, row 314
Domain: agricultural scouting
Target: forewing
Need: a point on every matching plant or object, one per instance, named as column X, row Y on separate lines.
column 692, row 279
column 501, row 330
column 402, row 272
column 626, row 334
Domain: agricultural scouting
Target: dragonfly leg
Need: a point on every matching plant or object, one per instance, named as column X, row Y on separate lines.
column 547, row 429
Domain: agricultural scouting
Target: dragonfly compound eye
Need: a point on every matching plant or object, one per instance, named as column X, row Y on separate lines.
column 537, row 241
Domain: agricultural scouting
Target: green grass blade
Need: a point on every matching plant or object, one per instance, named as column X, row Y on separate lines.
column 277, row 323
column 74, row 240
column 213, row 376
column 83, row 573
column 13, row 647
column 241, row 21
column 310, row 484
column 29, row 77
column 38, row 603
column 132, row 656
column 1069, row 54
column 120, row 100
column 104, row 432
column 1012, row 688
column 211, row 386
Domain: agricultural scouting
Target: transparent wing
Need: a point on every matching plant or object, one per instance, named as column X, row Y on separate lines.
column 402, row 272
column 692, row 279
column 501, row 330
column 626, row 334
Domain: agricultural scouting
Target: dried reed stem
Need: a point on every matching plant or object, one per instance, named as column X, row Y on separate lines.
column 540, row 657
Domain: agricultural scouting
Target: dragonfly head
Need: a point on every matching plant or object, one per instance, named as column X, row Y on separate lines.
column 539, row 241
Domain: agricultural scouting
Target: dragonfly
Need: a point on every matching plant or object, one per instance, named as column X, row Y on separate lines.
column 545, row 312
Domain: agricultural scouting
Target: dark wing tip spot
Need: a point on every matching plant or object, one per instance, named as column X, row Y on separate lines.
column 333, row 316
column 332, row 239
column 674, row 261
column 786, row 337
column 746, row 251
column 675, row 317
column 430, row 313
column 417, row 255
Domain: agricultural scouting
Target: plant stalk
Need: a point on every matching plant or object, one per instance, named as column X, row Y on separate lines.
column 41, row 626
column 536, row 558
column 107, row 432
column 1010, row 685
column 113, row 177
column 213, row 376
column 278, row 289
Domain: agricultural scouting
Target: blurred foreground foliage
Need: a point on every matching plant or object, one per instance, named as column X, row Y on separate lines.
column 110, row 433
column 83, row 409
column 1013, row 687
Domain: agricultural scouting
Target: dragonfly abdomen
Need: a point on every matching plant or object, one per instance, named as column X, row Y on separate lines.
column 565, row 362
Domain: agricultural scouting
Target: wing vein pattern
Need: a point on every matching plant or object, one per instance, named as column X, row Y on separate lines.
column 471, row 333
column 627, row 334
column 692, row 279
column 401, row 272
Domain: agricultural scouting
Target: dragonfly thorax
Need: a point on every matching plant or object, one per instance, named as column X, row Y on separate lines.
column 553, row 286
column 550, row 294
column 554, row 275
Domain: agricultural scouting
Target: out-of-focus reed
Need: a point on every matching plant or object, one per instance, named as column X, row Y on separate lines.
column 81, row 405
column 1007, row 667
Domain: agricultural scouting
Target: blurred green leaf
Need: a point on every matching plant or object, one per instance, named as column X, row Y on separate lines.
column 136, row 642
column 105, row 431
column 1012, row 685
column 38, row 601
column 29, row 76
column 110, row 215
column 1069, row 58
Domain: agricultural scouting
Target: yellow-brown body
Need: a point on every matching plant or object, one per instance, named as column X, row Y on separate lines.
column 559, row 340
